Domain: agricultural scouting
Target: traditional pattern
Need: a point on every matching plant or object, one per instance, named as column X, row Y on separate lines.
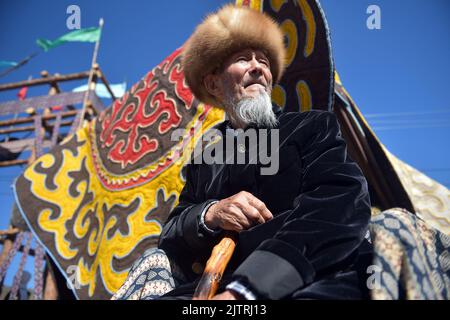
column 150, row 277
column 308, row 82
column 124, row 153
column 412, row 259
column 18, row 276
column 98, row 200
column 39, row 272
column 431, row 200
column 16, row 245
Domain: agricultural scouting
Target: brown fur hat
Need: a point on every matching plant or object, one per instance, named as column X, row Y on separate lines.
column 224, row 33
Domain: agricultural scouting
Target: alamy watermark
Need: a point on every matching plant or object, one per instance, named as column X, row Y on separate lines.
column 236, row 146
column 374, row 280
column 373, row 21
column 73, row 22
column 73, row 277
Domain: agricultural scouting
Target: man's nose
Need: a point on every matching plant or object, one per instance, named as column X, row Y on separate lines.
column 255, row 67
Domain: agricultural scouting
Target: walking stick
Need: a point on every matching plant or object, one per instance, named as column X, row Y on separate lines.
column 220, row 256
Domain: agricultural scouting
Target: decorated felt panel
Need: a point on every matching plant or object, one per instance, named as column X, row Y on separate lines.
column 99, row 199
column 308, row 82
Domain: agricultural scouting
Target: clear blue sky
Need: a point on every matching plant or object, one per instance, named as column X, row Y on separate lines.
column 397, row 75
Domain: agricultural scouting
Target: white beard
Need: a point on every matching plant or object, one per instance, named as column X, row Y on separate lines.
column 254, row 110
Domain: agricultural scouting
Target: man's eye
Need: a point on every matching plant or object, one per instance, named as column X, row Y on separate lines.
column 264, row 62
column 241, row 59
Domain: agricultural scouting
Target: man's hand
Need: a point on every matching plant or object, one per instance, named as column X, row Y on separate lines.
column 238, row 212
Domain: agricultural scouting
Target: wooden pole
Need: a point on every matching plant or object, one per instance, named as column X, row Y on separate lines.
column 8, row 232
column 365, row 157
column 106, row 83
column 41, row 81
column 54, row 89
column 31, row 128
column 7, row 246
column 31, row 119
column 80, row 118
column 215, row 267
column 16, row 162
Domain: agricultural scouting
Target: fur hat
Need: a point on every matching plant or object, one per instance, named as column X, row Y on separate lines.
column 224, row 33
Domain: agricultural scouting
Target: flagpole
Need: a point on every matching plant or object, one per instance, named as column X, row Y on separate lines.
column 80, row 117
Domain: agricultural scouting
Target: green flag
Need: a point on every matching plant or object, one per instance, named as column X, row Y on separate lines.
column 81, row 35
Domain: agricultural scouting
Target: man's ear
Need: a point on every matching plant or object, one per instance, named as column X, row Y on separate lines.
column 210, row 81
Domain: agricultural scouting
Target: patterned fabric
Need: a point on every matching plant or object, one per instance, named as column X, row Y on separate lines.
column 412, row 259
column 150, row 277
column 18, row 277
column 308, row 82
column 98, row 200
column 11, row 254
column 38, row 272
column 431, row 199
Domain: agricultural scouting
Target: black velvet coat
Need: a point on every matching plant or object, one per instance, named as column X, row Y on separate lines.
column 319, row 199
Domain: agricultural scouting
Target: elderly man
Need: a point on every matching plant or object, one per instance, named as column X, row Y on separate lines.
column 301, row 230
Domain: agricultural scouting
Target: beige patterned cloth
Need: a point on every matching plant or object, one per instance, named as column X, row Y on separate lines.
column 411, row 258
column 431, row 200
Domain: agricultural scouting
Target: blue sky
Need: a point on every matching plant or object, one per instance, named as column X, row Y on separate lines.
column 398, row 75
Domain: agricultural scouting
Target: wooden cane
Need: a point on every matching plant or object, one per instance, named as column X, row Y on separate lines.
column 215, row 267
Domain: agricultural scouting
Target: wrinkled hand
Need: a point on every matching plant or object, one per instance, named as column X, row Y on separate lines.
column 238, row 212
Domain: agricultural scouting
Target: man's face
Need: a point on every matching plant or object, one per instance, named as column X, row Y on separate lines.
column 245, row 73
column 244, row 85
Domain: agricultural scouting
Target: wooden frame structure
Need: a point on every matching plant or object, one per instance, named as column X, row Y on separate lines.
column 36, row 113
column 38, row 117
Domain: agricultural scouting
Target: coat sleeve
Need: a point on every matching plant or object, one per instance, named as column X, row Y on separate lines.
column 182, row 238
column 328, row 223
